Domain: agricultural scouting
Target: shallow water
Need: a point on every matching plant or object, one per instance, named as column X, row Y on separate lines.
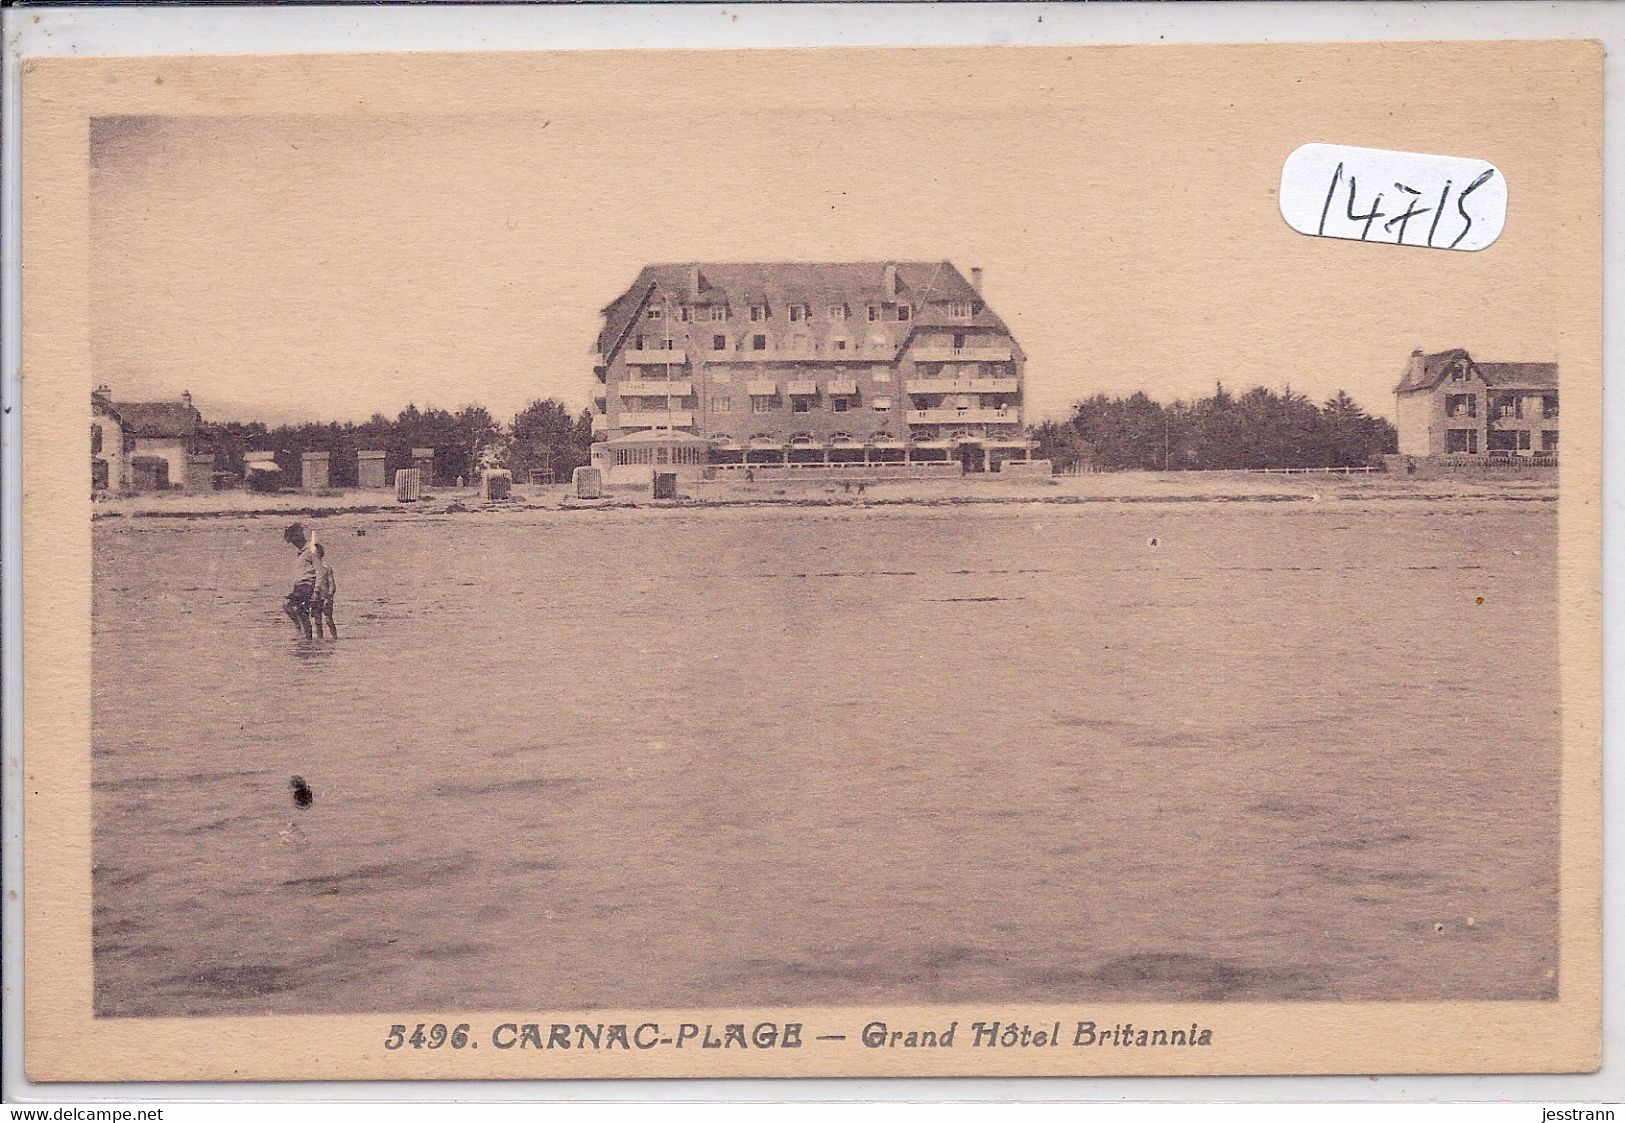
column 768, row 757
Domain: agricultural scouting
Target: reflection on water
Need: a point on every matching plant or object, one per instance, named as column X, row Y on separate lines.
column 768, row 757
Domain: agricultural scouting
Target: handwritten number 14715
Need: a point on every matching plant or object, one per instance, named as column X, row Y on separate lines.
column 1399, row 223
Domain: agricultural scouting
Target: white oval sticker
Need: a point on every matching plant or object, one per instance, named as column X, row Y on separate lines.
column 1396, row 198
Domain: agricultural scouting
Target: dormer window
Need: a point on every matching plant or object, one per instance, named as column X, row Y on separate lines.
column 959, row 309
column 903, row 311
column 654, row 313
column 800, row 313
column 758, row 313
column 719, row 313
column 838, row 311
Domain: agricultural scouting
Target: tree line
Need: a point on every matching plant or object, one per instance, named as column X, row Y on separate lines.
column 1257, row 429
column 544, row 436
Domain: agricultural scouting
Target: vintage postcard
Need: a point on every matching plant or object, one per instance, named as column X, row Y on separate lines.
column 974, row 561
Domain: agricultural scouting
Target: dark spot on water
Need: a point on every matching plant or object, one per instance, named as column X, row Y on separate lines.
column 1285, row 808
column 246, row 981
column 1080, row 722
column 1172, row 967
column 423, row 874
column 451, row 951
column 520, row 786
column 302, row 795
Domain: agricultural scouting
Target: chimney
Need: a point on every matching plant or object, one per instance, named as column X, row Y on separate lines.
column 694, row 280
column 102, row 394
column 976, row 279
column 186, row 398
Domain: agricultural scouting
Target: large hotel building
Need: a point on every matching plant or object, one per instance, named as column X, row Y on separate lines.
column 776, row 366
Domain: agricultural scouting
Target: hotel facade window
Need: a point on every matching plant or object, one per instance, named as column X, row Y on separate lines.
column 719, row 343
column 758, row 343
column 719, row 313
column 722, row 405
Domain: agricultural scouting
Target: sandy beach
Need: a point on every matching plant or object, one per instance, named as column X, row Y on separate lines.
column 1102, row 487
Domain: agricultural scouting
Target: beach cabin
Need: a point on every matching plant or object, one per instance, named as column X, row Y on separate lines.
column 369, row 468
column 261, row 472
column 423, row 461
column 313, row 471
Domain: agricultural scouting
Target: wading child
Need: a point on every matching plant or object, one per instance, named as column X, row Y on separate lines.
column 305, row 569
column 321, row 605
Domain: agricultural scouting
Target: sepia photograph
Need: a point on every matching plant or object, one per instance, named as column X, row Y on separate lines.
column 926, row 534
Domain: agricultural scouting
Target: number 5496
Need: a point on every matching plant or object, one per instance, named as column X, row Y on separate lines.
column 428, row 1036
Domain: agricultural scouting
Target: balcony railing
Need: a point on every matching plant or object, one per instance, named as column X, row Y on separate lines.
column 982, row 354
column 652, row 419
column 962, row 385
column 656, row 357
column 639, row 388
column 854, row 353
column 953, row 416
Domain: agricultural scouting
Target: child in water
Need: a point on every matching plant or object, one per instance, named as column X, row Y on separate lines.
column 306, row 569
column 321, row 605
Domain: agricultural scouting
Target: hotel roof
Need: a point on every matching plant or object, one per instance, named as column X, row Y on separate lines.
column 778, row 284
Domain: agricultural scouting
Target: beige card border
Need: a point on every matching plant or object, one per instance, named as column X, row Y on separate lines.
column 63, row 1041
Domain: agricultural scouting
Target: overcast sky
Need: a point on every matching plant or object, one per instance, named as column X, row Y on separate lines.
column 333, row 266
